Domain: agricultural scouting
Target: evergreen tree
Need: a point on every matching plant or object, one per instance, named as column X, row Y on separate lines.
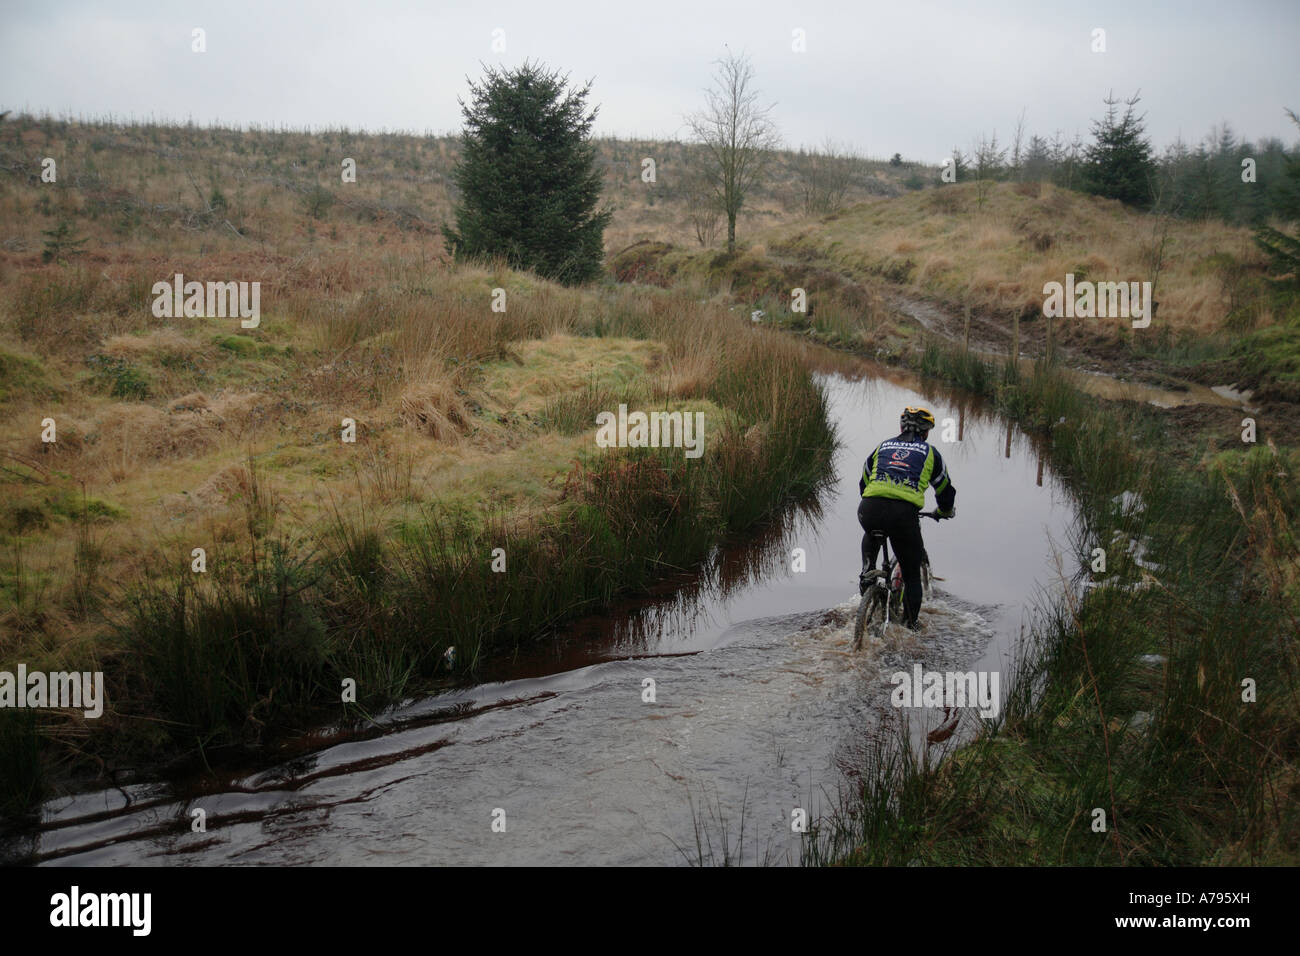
column 1038, row 160
column 989, row 166
column 1280, row 194
column 527, row 176
column 960, row 165
column 59, row 244
column 1284, row 249
column 1287, row 204
column 1118, row 165
column 1065, row 160
column 1206, row 201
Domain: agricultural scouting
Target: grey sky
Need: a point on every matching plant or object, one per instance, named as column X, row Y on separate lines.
column 917, row 77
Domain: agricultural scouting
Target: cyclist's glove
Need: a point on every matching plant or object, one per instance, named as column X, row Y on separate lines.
column 947, row 514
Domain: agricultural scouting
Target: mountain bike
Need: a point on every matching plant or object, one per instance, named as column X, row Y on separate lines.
column 882, row 601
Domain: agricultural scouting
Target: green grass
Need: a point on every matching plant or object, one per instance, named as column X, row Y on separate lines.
column 40, row 507
column 574, row 412
column 118, row 377
column 23, row 377
column 1271, row 357
column 242, row 345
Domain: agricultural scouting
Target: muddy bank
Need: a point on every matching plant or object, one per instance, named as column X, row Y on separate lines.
column 1100, row 366
column 1211, row 408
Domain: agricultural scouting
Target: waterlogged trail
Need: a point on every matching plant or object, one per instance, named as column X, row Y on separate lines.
column 991, row 344
column 759, row 706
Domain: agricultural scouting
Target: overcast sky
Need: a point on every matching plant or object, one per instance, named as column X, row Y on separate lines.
column 914, row 76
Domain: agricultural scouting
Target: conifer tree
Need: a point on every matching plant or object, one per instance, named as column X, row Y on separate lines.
column 1118, row 164
column 1284, row 249
column 527, row 176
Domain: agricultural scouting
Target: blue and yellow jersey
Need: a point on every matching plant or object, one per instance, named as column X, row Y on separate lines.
column 902, row 468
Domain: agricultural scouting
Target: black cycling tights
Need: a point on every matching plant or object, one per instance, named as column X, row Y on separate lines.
column 898, row 519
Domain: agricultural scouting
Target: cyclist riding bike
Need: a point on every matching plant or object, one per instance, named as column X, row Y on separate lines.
column 893, row 484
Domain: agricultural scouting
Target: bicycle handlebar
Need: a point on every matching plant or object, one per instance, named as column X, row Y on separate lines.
column 931, row 514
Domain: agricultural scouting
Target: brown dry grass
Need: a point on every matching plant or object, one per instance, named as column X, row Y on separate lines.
column 999, row 257
column 435, row 410
column 447, row 396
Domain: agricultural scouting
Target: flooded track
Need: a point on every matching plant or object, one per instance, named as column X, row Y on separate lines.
column 758, row 701
column 991, row 345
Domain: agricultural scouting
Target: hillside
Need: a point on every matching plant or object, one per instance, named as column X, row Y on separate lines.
column 213, row 191
column 232, row 519
column 1220, row 318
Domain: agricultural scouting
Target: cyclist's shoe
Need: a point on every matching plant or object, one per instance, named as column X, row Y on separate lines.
column 866, row 577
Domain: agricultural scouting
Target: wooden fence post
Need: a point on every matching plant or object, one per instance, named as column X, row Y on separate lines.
column 1015, row 342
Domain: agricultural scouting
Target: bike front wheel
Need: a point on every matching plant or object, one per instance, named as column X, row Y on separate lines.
column 870, row 610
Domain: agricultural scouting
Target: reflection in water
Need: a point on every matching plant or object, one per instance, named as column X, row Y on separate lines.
column 678, row 615
column 758, row 702
column 657, row 623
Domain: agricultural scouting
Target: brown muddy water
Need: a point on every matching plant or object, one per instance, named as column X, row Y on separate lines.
column 759, row 706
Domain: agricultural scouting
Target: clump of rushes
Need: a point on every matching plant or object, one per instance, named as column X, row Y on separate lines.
column 21, row 784
column 229, row 657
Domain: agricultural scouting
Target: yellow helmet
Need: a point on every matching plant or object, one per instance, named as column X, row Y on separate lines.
column 916, row 419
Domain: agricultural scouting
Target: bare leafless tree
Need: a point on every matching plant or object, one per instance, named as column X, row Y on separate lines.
column 1017, row 140
column 702, row 210
column 990, row 165
column 738, row 137
column 823, row 176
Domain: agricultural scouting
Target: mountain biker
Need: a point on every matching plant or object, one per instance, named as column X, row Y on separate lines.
column 893, row 486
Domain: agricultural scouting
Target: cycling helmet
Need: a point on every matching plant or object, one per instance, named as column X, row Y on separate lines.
column 916, row 419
